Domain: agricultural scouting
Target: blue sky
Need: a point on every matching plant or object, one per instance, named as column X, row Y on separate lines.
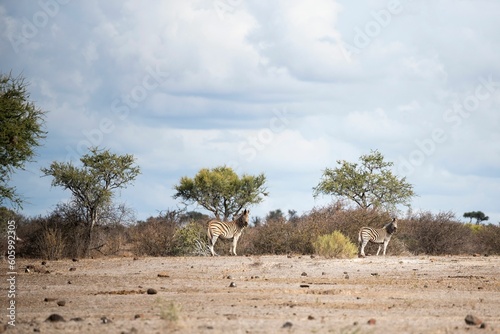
column 284, row 88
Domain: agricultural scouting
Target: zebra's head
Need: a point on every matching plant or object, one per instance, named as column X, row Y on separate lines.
column 392, row 226
column 244, row 218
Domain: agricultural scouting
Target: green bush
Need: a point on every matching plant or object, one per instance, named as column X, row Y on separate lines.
column 190, row 240
column 487, row 239
column 335, row 245
column 475, row 228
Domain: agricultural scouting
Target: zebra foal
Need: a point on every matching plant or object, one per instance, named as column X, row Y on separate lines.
column 380, row 236
column 227, row 230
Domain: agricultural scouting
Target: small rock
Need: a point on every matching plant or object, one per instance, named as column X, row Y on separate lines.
column 44, row 263
column 75, row 260
column 163, row 275
column 55, row 318
column 152, row 291
column 137, row 316
column 61, row 303
column 232, row 285
column 372, row 321
column 287, row 324
column 303, row 274
column 30, row 268
column 310, row 317
column 69, row 282
column 105, row 320
column 473, row 320
column 374, row 274
column 77, row 319
column 304, row 285
column 47, row 300
column 72, row 269
column 483, row 325
column 229, row 277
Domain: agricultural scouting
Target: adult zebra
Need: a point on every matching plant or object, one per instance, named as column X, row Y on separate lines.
column 378, row 236
column 227, row 230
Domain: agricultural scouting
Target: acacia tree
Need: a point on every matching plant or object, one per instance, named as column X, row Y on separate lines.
column 92, row 184
column 221, row 191
column 369, row 183
column 21, row 124
column 478, row 215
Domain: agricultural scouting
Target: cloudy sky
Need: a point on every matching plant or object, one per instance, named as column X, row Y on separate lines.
column 284, row 88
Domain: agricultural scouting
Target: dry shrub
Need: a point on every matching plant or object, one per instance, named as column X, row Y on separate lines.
column 435, row 234
column 109, row 240
column 170, row 234
column 335, row 245
column 281, row 236
column 273, row 237
column 154, row 237
column 51, row 244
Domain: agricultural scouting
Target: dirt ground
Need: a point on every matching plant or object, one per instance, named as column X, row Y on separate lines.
column 257, row 294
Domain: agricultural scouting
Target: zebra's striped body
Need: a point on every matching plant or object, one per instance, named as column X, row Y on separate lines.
column 380, row 236
column 227, row 230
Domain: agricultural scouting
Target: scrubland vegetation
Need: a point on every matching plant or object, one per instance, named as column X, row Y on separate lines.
column 330, row 231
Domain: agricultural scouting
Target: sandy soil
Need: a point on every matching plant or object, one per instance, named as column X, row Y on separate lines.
column 269, row 294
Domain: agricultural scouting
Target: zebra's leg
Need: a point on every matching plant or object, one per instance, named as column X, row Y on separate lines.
column 379, row 247
column 385, row 246
column 363, row 245
column 212, row 244
column 235, row 242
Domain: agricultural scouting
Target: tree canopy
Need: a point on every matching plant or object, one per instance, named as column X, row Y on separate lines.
column 21, row 131
column 479, row 216
column 92, row 184
column 221, row 191
column 369, row 183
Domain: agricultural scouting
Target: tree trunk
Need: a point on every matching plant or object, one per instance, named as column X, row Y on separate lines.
column 88, row 236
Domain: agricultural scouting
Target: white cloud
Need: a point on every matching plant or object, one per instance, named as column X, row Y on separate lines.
column 225, row 71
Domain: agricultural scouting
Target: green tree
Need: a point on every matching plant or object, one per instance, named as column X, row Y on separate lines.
column 21, row 124
column 369, row 183
column 479, row 216
column 92, row 184
column 275, row 215
column 221, row 191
